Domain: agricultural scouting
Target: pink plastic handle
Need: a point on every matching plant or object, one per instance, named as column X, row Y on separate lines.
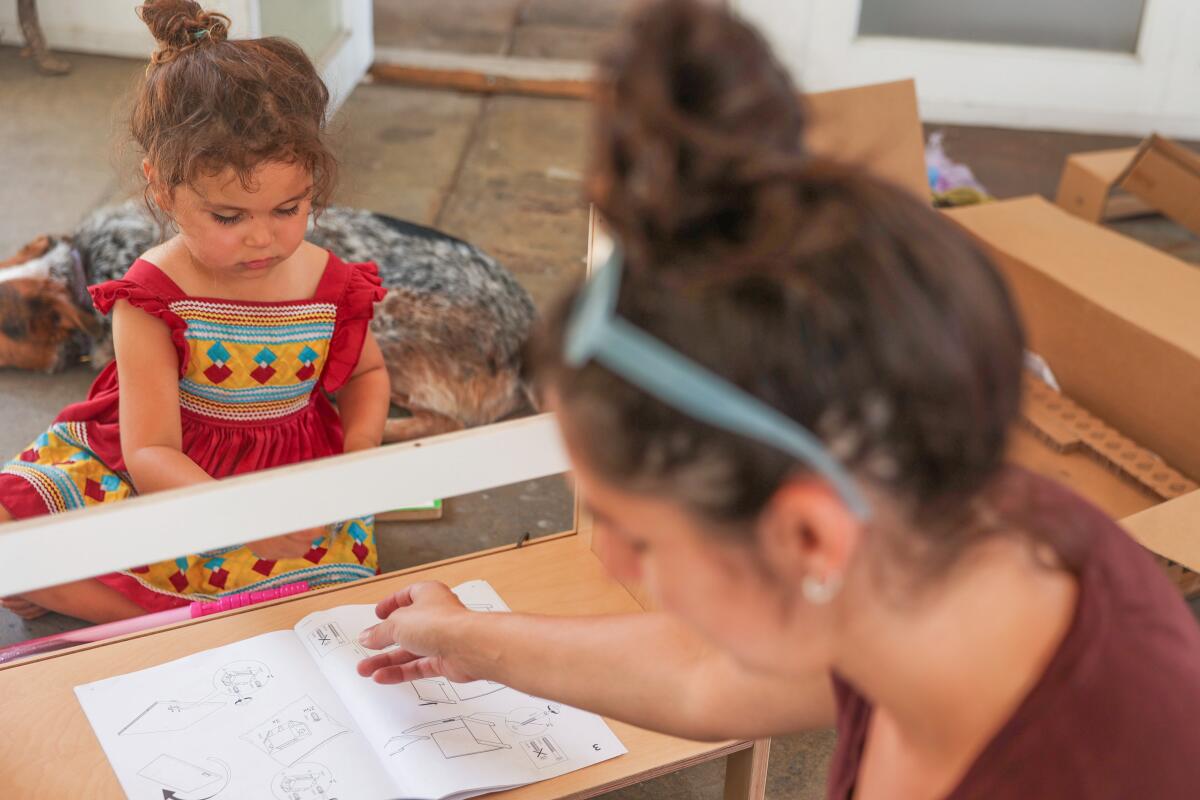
column 247, row 599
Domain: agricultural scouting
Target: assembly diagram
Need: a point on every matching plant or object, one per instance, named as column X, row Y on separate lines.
column 455, row 737
column 238, row 680
column 169, row 716
column 295, row 731
column 328, row 637
column 307, row 780
column 241, row 680
column 184, row 780
column 431, row 691
column 529, row 721
column 543, row 752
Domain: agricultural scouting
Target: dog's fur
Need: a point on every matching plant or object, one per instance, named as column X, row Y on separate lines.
column 451, row 326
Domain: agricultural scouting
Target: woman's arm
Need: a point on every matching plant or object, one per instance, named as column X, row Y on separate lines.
column 645, row 669
column 364, row 399
column 151, row 433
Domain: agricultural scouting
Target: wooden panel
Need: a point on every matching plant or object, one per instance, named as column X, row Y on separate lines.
column 746, row 772
column 482, row 73
column 207, row 516
column 49, row 750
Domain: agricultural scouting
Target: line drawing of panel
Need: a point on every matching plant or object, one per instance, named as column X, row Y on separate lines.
column 543, row 752
column 440, row 690
column 295, row 731
column 455, row 737
column 167, row 716
column 242, row 679
column 179, row 775
column 431, row 690
column 308, row 780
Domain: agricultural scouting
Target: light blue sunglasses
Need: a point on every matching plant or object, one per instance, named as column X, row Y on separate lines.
column 595, row 332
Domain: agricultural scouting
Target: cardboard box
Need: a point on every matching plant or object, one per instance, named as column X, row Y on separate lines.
column 1116, row 320
column 1159, row 175
column 877, row 126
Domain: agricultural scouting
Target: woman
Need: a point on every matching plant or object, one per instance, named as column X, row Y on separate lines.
column 787, row 401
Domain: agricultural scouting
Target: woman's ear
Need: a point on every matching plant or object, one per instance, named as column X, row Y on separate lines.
column 806, row 531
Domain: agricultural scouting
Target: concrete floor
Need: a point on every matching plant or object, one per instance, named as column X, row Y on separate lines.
column 503, row 172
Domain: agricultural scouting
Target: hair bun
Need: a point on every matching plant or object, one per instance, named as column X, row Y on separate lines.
column 181, row 25
column 695, row 128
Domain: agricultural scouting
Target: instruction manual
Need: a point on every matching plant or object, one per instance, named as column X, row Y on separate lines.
column 285, row 715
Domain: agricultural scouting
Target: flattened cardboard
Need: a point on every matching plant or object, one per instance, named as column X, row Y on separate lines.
column 1158, row 175
column 877, row 126
column 1171, row 528
column 1167, row 176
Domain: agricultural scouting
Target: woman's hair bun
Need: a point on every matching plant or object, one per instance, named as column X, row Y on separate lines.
column 695, row 127
column 181, row 25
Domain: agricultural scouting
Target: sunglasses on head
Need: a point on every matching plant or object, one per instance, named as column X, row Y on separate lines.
column 596, row 333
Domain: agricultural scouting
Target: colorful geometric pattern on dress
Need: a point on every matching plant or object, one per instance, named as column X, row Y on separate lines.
column 347, row 553
column 251, row 363
column 65, row 473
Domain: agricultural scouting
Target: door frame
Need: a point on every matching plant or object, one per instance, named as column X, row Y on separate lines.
column 1157, row 88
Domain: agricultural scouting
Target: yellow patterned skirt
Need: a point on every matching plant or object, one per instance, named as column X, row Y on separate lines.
column 59, row 472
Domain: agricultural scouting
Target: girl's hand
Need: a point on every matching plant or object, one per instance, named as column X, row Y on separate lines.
column 413, row 618
column 289, row 545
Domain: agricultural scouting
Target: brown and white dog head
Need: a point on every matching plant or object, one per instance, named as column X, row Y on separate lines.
column 42, row 325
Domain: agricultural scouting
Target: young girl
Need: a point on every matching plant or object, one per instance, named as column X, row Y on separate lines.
column 227, row 336
column 789, row 413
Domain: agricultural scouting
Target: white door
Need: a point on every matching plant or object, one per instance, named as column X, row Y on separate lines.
column 337, row 34
column 1120, row 66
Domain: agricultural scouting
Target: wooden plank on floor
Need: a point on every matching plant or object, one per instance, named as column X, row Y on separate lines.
column 468, row 72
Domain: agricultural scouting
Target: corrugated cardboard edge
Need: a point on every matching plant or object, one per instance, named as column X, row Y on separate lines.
column 877, row 127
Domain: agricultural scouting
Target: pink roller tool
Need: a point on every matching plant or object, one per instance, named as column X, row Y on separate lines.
column 95, row 633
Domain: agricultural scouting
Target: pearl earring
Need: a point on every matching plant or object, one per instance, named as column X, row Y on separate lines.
column 820, row 592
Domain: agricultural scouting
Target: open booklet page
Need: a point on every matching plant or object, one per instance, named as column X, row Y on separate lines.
column 439, row 739
column 284, row 715
column 253, row 719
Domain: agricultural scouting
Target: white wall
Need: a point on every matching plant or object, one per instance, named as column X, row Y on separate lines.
column 110, row 27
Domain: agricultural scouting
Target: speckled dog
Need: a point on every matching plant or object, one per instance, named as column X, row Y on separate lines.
column 451, row 326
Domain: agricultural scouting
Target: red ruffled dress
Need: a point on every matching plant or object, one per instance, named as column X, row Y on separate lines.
column 253, row 379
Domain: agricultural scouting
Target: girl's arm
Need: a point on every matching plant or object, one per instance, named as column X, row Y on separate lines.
column 645, row 669
column 151, row 434
column 364, row 399
column 148, row 374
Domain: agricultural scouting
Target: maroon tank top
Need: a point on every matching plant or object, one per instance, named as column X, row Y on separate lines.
column 1115, row 715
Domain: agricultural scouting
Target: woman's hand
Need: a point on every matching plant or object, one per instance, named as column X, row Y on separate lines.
column 289, row 545
column 415, row 620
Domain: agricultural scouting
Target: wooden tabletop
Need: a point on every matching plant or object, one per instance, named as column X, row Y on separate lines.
column 48, row 748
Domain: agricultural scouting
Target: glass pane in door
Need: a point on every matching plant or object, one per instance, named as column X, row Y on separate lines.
column 1110, row 25
column 315, row 26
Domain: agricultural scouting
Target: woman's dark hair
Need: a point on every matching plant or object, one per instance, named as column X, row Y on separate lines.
column 208, row 103
column 837, row 298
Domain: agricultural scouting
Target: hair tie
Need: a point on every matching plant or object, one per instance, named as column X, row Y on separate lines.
column 200, row 34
